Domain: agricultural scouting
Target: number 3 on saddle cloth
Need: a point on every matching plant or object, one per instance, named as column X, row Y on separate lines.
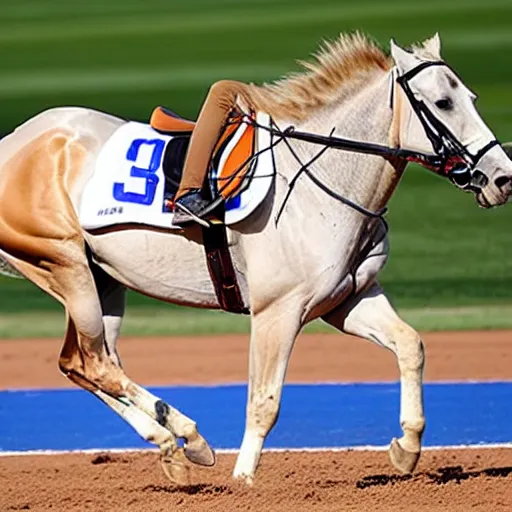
column 234, row 164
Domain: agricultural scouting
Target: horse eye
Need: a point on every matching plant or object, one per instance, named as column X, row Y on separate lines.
column 444, row 104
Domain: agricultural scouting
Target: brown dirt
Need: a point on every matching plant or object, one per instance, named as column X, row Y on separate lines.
column 319, row 357
column 448, row 481
column 458, row 481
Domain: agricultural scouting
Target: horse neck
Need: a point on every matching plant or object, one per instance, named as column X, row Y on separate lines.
column 367, row 180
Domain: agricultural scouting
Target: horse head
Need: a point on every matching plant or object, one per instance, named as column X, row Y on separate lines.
column 439, row 115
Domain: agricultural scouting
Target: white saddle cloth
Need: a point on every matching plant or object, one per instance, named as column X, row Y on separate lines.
column 128, row 182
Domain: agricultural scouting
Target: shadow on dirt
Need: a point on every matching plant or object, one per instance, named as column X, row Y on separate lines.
column 106, row 458
column 441, row 476
column 203, row 489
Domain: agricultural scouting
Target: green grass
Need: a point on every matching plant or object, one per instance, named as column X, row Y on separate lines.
column 172, row 321
column 126, row 57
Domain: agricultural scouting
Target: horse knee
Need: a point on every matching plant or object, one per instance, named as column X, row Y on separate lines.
column 263, row 413
column 409, row 349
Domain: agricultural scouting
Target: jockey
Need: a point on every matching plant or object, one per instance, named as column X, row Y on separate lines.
column 221, row 99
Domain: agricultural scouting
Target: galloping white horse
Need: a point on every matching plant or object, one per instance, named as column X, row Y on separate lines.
column 321, row 259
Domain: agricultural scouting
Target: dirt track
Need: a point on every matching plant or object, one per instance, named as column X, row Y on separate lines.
column 320, row 357
column 298, row 482
column 476, row 480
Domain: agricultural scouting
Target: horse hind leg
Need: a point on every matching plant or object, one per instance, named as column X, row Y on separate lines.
column 87, row 362
column 371, row 316
column 171, row 459
column 46, row 246
column 112, row 296
column 196, row 449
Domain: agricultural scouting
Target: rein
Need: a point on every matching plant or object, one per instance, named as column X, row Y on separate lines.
column 356, row 146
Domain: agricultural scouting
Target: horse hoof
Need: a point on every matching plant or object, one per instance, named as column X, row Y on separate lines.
column 198, row 451
column 173, row 463
column 401, row 459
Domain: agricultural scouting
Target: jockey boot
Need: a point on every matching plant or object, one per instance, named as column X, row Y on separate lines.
column 189, row 207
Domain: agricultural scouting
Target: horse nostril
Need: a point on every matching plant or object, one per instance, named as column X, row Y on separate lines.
column 502, row 181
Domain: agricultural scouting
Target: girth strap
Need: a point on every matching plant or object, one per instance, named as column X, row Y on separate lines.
column 221, row 269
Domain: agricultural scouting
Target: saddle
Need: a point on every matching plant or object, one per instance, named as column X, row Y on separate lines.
column 232, row 159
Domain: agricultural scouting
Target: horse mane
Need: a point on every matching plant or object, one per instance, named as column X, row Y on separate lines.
column 339, row 69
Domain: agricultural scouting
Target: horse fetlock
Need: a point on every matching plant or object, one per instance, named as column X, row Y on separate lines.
column 413, row 432
column 161, row 437
column 196, row 449
column 249, row 456
column 187, row 431
column 414, row 427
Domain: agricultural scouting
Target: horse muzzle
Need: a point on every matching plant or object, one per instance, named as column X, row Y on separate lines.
column 495, row 192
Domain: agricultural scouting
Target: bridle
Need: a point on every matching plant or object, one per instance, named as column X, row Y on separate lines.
column 455, row 160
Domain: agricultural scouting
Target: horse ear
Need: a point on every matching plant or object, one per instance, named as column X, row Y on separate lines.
column 404, row 60
column 433, row 46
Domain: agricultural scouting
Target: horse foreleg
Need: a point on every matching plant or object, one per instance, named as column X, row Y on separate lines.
column 371, row 316
column 273, row 332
